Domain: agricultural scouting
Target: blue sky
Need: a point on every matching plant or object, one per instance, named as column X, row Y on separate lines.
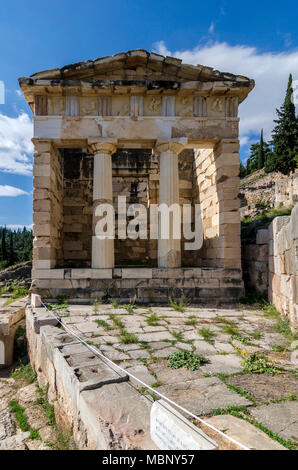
column 254, row 38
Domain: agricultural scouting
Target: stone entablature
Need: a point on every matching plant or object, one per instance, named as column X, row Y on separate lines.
column 135, row 100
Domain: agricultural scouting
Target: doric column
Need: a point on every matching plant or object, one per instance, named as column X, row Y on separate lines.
column 102, row 247
column 169, row 247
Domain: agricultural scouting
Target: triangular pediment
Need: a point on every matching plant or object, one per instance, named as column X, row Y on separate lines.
column 139, row 65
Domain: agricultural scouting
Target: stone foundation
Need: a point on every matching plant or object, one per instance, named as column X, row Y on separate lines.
column 144, row 285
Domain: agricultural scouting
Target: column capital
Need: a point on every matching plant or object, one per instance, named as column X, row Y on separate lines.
column 102, row 146
column 43, row 145
column 169, row 146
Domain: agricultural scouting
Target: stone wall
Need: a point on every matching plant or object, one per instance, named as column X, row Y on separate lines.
column 47, row 206
column 217, row 181
column 136, row 176
column 286, row 191
column 255, row 260
column 270, row 263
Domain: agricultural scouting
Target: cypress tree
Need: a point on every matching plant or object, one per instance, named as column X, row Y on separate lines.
column 261, row 153
column 285, row 136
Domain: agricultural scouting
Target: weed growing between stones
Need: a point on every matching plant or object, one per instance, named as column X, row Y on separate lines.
column 186, row 359
column 152, row 320
column 179, row 305
column 117, row 322
column 191, row 321
column 258, row 364
column 207, row 334
column 242, row 339
column 283, row 327
column 178, row 335
column 114, row 303
column 128, row 338
column 129, row 308
column 103, row 324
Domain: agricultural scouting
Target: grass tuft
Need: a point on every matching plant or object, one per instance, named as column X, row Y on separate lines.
column 207, row 334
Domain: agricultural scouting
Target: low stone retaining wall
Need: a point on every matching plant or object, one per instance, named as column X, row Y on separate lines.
column 270, row 263
column 90, row 399
column 10, row 317
column 283, row 265
column 201, row 285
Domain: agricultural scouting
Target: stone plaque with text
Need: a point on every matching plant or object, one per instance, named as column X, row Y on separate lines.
column 170, row 430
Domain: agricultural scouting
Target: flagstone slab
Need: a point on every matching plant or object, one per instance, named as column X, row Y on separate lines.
column 202, row 347
column 223, row 347
column 201, row 396
column 165, row 352
column 264, row 387
column 156, row 336
column 158, row 344
column 244, row 433
column 281, row 418
column 166, row 375
column 224, row 364
column 139, row 354
column 141, row 372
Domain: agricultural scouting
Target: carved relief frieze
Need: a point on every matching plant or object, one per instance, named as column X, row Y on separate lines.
column 89, row 106
column 184, row 106
column 216, row 106
column 56, row 105
column 137, row 105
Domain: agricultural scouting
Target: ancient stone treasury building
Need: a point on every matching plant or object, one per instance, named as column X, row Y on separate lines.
column 133, row 132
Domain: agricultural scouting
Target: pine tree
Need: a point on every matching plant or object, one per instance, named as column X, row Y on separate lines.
column 285, row 136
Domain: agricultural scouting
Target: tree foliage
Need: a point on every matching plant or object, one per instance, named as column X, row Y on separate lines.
column 259, row 154
column 285, row 136
column 16, row 246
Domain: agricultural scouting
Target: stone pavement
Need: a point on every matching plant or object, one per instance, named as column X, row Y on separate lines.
column 141, row 339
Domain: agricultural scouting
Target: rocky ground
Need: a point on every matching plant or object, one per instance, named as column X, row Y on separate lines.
column 244, row 364
column 27, row 420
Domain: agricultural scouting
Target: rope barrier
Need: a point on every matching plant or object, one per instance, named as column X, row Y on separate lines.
column 153, row 390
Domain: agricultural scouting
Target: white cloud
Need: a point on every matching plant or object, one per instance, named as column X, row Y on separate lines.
column 15, row 144
column 11, row 191
column 269, row 70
